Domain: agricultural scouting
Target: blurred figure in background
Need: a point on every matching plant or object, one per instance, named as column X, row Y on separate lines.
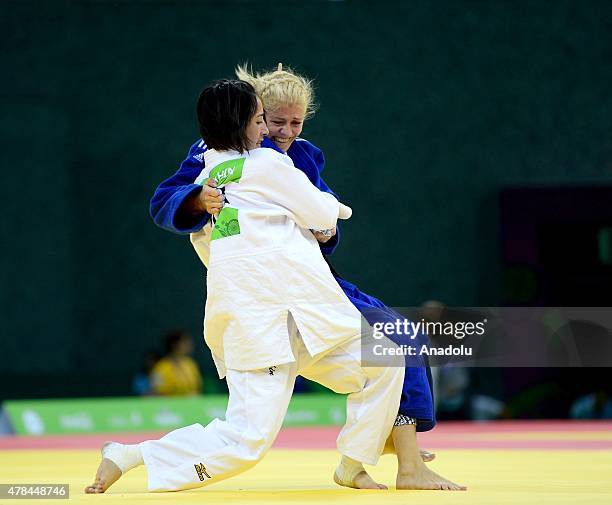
column 141, row 383
column 593, row 406
column 176, row 373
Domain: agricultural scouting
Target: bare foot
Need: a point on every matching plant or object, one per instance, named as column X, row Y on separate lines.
column 361, row 481
column 411, row 471
column 108, row 473
column 424, row 478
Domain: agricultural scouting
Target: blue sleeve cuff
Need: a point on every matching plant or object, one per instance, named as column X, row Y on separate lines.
column 329, row 247
column 184, row 221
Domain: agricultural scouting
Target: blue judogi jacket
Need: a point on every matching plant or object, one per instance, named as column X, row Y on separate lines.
column 171, row 193
column 417, row 393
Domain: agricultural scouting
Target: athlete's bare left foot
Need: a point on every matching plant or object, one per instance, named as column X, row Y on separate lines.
column 108, row 473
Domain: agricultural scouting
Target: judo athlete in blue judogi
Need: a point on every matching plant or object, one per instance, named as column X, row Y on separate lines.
column 288, row 101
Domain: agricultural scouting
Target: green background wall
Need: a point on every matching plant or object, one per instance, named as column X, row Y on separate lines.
column 427, row 109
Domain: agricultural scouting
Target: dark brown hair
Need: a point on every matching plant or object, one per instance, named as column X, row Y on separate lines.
column 224, row 110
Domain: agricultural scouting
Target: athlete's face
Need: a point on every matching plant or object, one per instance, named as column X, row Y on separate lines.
column 285, row 124
column 256, row 129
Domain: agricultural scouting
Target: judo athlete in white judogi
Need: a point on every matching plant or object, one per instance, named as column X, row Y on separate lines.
column 273, row 311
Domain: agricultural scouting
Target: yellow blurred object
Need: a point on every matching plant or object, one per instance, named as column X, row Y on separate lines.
column 176, row 376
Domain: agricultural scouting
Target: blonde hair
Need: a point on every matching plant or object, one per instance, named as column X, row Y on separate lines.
column 280, row 87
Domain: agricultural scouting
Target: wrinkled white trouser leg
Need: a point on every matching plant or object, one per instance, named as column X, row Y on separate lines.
column 196, row 456
column 372, row 403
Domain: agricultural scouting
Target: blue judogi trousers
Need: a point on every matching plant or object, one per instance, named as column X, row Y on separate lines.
column 417, row 391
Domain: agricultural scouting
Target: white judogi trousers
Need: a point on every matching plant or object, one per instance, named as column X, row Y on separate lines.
column 196, row 456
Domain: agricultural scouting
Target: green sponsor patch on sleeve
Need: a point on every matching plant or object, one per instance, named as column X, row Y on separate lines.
column 227, row 224
column 228, row 171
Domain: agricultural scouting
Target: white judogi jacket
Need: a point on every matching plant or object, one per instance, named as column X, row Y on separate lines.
column 264, row 262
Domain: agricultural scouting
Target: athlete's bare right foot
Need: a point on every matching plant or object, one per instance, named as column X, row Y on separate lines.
column 108, row 472
column 422, row 477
